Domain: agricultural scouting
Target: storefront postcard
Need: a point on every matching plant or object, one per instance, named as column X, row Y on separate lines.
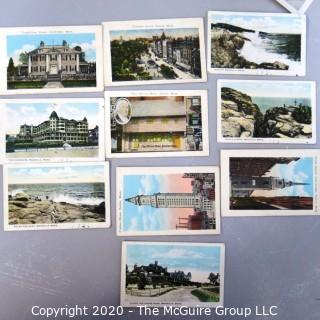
column 258, row 111
column 49, row 196
column 156, row 123
column 270, row 182
column 271, row 44
column 154, row 51
column 159, row 274
column 52, row 129
column 168, row 201
column 51, row 59
column 296, row 6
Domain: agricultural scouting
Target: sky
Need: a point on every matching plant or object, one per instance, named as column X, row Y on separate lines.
column 35, row 113
column 270, row 24
column 56, row 174
column 21, row 43
column 272, row 89
column 296, row 171
column 199, row 260
column 149, row 33
column 147, row 218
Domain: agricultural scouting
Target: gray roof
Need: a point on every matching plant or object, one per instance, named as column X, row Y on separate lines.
column 157, row 108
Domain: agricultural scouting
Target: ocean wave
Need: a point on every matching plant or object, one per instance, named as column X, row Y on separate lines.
column 14, row 192
column 93, row 201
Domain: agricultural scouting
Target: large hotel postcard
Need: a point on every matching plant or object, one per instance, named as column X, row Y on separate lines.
column 52, row 129
column 258, row 111
column 51, row 196
column 156, row 123
column 154, row 51
column 270, row 182
column 256, row 43
column 159, row 274
column 168, row 201
column 51, row 59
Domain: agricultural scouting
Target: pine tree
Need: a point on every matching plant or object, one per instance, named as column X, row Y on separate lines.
column 11, row 68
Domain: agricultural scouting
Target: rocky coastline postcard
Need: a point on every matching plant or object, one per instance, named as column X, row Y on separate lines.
column 56, row 196
column 156, row 123
column 52, row 59
column 158, row 274
column 269, row 182
column 168, row 201
column 154, row 51
column 257, row 111
column 296, row 6
column 256, row 43
column 52, row 129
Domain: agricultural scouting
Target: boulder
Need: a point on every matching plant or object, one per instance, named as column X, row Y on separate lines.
column 21, row 196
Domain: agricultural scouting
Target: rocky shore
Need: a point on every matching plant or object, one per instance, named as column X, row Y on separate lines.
column 240, row 117
column 226, row 42
column 24, row 209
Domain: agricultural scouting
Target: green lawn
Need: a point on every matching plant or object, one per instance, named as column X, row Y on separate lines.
column 26, row 84
column 205, row 295
column 78, row 83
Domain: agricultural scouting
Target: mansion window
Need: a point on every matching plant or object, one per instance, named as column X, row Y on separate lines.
column 54, row 57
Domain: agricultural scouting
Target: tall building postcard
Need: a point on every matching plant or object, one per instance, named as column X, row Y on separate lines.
column 52, row 129
column 168, row 201
column 154, row 51
column 270, row 182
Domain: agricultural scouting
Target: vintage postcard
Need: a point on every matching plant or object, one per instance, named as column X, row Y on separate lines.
column 154, row 51
column 256, row 43
column 49, row 196
column 168, row 201
column 159, row 274
column 156, row 123
column 257, row 111
column 52, row 129
column 270, row 182
column 52, row 59
column 296, row 6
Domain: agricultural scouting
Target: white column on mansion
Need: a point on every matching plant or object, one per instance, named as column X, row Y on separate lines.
column 47, row 63
column 78, row 66
column 29, row 64
column 59, row 62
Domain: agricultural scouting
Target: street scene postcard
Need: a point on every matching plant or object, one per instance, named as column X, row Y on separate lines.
column 258, row 111
column 168, row 201
column 52, row 59
column 154, row 51
column 158, row 274
column 52, row 129
column 270, row 182
column 156, row 123
column 256, row 43
column 56, row 196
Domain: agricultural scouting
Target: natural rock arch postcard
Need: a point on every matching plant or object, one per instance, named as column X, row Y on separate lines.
column 156, row 123
column 296, row 6
column 257, row 111
column 269, row 182
column 52, row 129
column 158, row 274
column 168, row 201
column 154, row 51
column 56, row 196
column 256, row 43
column 52, row 59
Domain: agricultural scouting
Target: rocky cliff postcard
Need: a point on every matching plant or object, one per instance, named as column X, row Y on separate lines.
column 256, row 43
column 52, row 59
column 171, row 200
column 257, row 111
column 270, row 182
column 154, row 51
column 52, row 129
column 296, row 6
column 158, row 274
column 156, row 123
column 51, row 196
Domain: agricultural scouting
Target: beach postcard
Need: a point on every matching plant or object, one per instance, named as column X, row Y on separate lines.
column 154, row 51
column 256, row 43
column 158, row 274
column 296, row 6
column 50, row 196
column 168, row 201
column 52, row 129
column 258, row 111
column 156, row 123
column 52, row 59
column 270, row 182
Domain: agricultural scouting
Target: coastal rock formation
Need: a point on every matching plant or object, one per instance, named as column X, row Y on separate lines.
column 24, row 209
